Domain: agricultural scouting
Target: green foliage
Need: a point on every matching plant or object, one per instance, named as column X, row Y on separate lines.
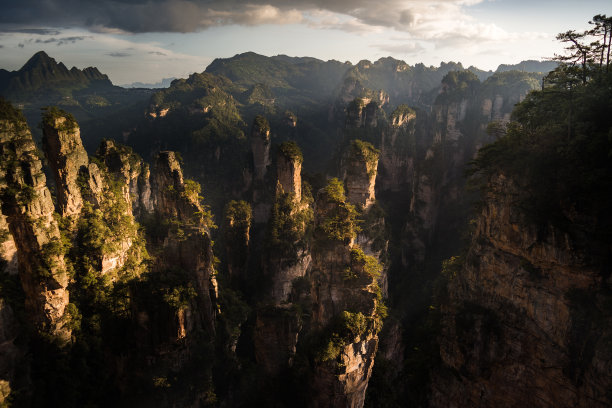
column 288, row 227
column 261, row 125
column 234, row 312
column 373, row 225
column 340, row 220
column 53, row 113
column 238, row 214
column 402, row 110
column 180, row 297
column 97, row 101
column 457, row 85
column 345, row 329
column 260, row 94
column 556, row 151
column 365, row 151
column 291, row 151
column 73, row 317
column 26, row 195
column 367, row 263
column 192, row 189
column 340, row 223
column 334, row 191
column 11, row 114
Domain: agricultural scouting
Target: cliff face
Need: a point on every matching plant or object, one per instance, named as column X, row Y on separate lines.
column 527, row 322
column 361, row 166
column 260, row 144
column 107, row 188
column 346, row 299
column 66, row 156
column 27, row 205
column 131, row 172
column 187, row 244
column 8, row 249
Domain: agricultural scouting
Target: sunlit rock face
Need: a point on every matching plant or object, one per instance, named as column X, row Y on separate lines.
column 66, row 156
column 360, row 169
column 28, row 209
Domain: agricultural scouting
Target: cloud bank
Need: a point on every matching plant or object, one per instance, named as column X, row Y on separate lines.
column 420, row 18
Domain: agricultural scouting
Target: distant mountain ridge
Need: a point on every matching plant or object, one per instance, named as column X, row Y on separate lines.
column 164, row 83
column 42, row 74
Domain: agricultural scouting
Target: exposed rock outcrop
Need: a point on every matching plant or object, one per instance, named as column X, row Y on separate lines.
column 8, row 249
column 398, row 151
column 260, row 144
column 131, row 172
column 289, row 170
column 276, row 337
column 238, row 217
column 360, row 169
column 29, row 210
column 525, row 324
column 346, row 305
column 187, row 245
column 66, row 156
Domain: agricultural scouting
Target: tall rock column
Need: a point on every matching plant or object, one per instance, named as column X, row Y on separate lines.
column 27, row 204
column 347, row 308
column 260, row 144
column 188, row 244
column 66, row 156
column 360, row 169
column 289, row 169
column 132, row 171
column 237, row 226
column 288, row 258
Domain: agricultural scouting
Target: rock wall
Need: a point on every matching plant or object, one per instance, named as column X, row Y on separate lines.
column 342, row 289
column 27, row 205
column 188, row 244
column 66, row 156
column 526, row 323
column 360, row 170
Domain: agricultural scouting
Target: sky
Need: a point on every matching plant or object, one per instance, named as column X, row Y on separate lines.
column 147, row 40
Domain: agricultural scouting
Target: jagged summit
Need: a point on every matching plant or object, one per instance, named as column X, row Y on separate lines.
column 40, row 59
column 42, row 74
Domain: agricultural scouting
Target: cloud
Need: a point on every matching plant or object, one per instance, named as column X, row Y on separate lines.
column 35, row 31
column 119, row 54
column 159, row 53
column 137, row 16
column 405, row 48
column 62, row 41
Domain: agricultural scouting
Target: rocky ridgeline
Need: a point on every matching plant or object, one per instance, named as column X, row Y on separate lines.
column 525, row 322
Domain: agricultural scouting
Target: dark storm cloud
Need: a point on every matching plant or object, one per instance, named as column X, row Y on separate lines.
column 193, row 15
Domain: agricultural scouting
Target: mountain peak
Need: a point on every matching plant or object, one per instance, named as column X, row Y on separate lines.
column 41, row 58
